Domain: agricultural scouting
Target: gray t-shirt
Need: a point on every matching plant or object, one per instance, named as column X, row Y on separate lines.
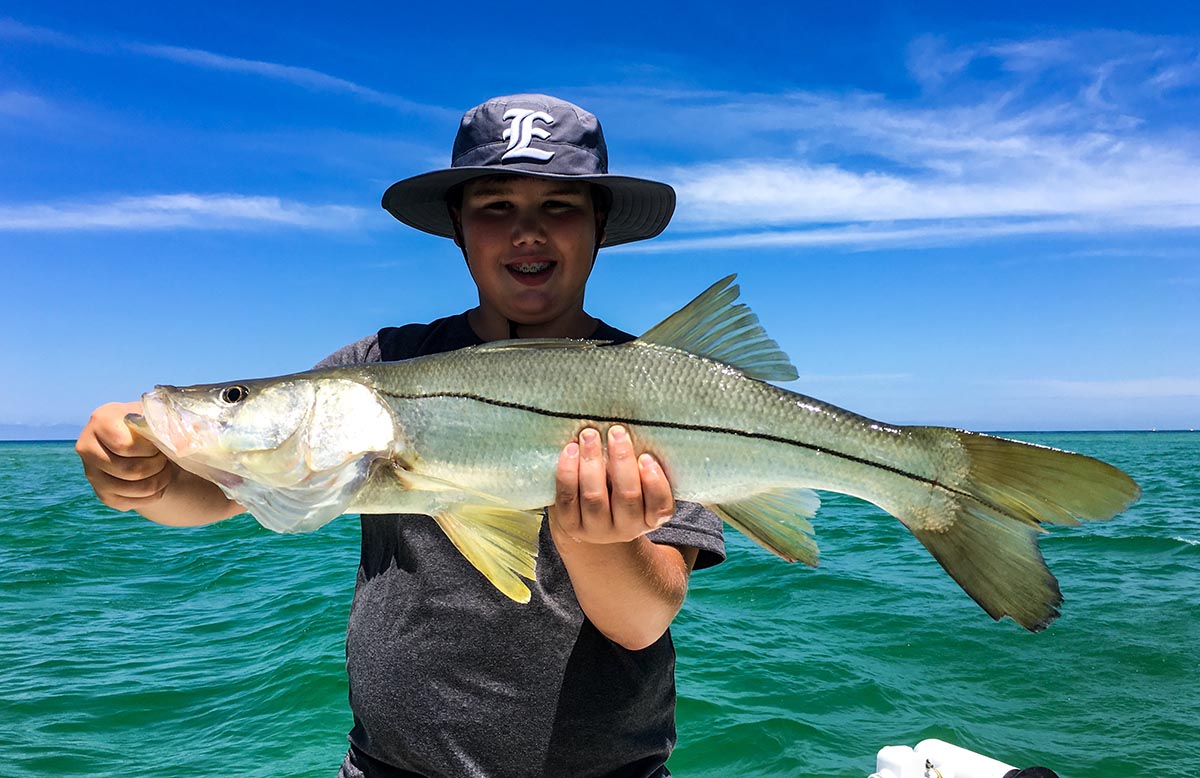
column 450, row 678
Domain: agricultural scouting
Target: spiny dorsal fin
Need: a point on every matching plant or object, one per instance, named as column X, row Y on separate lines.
column 714, row 326
column 776, row 520
column 502, row 543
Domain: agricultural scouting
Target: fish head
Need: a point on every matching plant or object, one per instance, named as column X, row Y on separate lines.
column 278, row 432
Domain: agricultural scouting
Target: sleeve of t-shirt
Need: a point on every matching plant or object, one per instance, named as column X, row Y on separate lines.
column 696, row 526
column 365, row 350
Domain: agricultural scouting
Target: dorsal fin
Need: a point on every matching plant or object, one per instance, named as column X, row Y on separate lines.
column 714, row 326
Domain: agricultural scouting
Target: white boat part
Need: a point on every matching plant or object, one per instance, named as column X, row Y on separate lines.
column 936, row 759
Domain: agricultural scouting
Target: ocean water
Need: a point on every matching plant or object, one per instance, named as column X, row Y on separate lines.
column 131, row 649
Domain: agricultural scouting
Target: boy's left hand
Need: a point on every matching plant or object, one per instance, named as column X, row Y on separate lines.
column 610, row 500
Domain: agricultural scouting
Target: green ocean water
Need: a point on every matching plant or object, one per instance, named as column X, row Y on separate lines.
column 131, row 649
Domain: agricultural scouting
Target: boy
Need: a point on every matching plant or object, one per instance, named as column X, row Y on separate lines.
column 447, row 677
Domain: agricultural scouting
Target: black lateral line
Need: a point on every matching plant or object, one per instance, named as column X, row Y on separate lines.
column 692, row 428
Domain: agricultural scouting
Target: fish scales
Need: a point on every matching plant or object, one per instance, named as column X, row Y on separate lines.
column 473, row 437
column 701, row 418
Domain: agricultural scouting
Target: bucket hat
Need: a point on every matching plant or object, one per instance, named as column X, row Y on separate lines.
column 540, row 136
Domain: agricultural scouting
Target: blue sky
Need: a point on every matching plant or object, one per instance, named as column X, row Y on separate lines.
column 982, row 218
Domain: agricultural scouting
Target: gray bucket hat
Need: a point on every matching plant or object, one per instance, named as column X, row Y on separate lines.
column 540, row 136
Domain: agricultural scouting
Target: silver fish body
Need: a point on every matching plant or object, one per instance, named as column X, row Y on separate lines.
column 472, row 438
column 479, row 416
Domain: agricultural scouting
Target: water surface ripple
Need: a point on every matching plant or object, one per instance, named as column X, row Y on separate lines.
column 132, row 649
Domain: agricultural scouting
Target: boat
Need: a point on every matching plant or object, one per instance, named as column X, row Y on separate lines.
column 935, row 758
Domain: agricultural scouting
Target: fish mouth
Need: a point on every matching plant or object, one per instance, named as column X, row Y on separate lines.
column 170, row 426
column 137, row 422
column 224, row 479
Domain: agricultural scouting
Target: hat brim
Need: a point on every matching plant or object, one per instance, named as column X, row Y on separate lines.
column 640, row 208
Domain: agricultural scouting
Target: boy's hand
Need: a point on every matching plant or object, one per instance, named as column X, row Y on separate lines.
column 126, row 470
column 613, row 501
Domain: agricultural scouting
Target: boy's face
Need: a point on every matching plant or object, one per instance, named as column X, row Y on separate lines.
column 530, row 244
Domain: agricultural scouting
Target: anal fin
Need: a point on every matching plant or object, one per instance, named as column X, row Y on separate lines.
column 501, row 542
column 778, row 521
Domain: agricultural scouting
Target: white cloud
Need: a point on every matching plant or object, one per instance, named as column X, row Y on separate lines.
column 1083, row 133
column 910, row 234
column 11, row 29
column 767, row 193
column 306, row 78
column 1052, row 135
column 171, row 211
column 303, row 77
column 1177, row 76
column 23, row 105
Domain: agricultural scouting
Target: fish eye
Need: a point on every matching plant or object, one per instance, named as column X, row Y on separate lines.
column 232, row 395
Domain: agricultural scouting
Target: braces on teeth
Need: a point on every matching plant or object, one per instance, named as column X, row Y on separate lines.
column 531, row 267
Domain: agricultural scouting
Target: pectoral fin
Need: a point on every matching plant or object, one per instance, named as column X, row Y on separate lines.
column 501, row 542
column 392, row 488
column 778, row 521
column 415, row 481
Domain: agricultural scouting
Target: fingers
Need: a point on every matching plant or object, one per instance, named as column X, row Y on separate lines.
column 627, row 503
column 641, row 496
column 656, row 492
column 566, row 495
column 108, row 426
column 610, row 499
column 594, row 510
column 125, row 470
column 124, row 495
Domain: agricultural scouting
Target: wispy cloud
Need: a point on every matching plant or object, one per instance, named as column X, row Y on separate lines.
column 1089, row 133
column 779, row 192
column 305, row 78
column 1008, row 138
column 173, row 211
column 903, row 234
column 22, row 105
column 11, row 29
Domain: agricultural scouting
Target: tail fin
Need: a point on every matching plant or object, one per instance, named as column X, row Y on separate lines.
column 1045, row 484
column 985, row 532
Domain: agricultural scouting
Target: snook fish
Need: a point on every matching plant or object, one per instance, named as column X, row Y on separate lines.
column 472, row 438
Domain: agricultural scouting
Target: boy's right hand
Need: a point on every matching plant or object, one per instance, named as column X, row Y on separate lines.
column 126, row 470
